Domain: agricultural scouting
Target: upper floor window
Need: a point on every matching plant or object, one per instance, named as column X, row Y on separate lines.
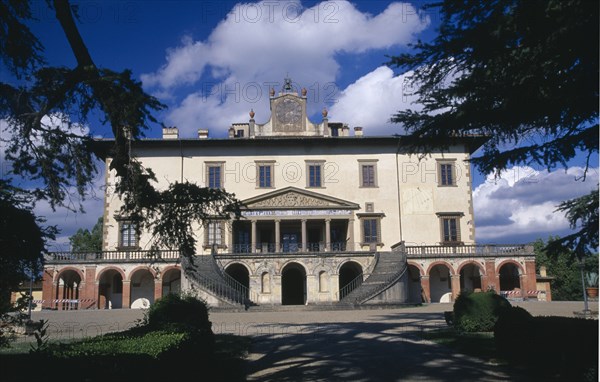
column 446, row 174
column 368, row 173
column 370, row 227
column 264, row 176
column 450, row 228
column 127, row 234
column 214, row 234
column 314, row 172
column 214, row 175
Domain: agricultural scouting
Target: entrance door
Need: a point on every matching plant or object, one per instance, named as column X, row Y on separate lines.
column 289, row 242
column 293, row 285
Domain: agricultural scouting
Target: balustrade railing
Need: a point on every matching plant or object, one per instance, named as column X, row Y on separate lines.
column 340, row 246
column 468, row 250
column 140, row 255
column 346, row 289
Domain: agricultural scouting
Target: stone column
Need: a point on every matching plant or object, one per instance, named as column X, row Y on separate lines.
column 157, row 288
column 253, row 237
column 89, row 292
column 304, row 242
column 350, row 246
column 126, row 294
column 491, row 278
column 277, row 235
column 455, row 286
column 47, row 288
column 327, row 234
column 426, row 290
column 229, row 233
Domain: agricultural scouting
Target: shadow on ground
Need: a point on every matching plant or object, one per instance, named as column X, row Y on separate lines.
column 388, row 349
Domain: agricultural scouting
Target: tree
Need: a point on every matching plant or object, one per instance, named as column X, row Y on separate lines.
column 45, row 108
column 522, row 73
column 83, row 240
column 565, row 268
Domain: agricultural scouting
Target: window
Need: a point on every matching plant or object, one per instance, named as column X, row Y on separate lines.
column 370, row 207
column 239, row 134
column 214, row 175
column 450, row 228
column 127, row 235
column 314, row 172
column 368, row 173
column 370, row 231
column 214, row 235
column 264, row 175
column 446, row 174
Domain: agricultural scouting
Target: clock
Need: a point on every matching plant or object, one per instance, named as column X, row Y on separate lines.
column 289, row 112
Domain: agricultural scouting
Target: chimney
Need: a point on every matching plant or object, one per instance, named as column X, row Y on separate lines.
column 358, row 131
column 170, row 133
column 202, row 133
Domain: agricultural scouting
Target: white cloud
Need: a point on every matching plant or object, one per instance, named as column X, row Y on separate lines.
column 522, row 202
column 261, row 42
column 371, row 101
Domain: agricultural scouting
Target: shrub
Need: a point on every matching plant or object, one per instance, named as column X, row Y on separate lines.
column 511, row 333
column 178, row 312
column 560, row 348
column 478, row 312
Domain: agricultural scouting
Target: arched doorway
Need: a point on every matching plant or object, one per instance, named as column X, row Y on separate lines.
column 414, row 285
column 509, row 277
column 440, row 282
column 67, row 292
column 293, row 285
column 470, row 278
column 239, row 273
column 348, row 281
column 171, row 282
column 110, row 290
column 142, row 289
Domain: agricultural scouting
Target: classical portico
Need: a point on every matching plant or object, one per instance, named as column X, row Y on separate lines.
column 294, row 220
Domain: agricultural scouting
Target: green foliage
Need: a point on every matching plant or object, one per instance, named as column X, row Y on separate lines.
column 85, row 241
column 591, row 279
column 154, row 344
column 556, row 348
column 175, row 311
column 478, row 312
column 512, row 326
column 524, row 74
column 565, row 268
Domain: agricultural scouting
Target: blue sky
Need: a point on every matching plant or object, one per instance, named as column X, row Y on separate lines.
column 210, row 62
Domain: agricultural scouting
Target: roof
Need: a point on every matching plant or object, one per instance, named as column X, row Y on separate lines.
column 103, row 147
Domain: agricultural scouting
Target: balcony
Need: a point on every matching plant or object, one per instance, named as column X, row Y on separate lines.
column 134, row 256
column 492, row 250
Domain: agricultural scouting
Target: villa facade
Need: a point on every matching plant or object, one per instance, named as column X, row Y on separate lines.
column 330, row 216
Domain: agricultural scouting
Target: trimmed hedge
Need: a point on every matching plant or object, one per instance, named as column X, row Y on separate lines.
column 560, row 348
column 174, row 311
column 478, row 312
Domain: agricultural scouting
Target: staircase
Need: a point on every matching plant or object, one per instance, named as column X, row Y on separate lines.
column 204, row 273
column 390, row 267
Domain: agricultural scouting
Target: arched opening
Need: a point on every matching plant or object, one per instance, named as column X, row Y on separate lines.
column 240, row 274
column 293, row 285
column 171, row 282
column 440, row 283
column 110, row 290
column 142, row 289
column 67, row 292
column 509, row 277
column 349, row 280
column 470, row 278
column 414, row 285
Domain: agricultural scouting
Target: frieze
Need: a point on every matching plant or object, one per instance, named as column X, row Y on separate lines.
column 292, row 199
column 294, row 212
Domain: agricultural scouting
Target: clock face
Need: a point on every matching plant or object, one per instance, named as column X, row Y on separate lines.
column 289, row 112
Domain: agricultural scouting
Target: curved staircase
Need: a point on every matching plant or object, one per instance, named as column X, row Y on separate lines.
column 388, row 270
column 204, row 273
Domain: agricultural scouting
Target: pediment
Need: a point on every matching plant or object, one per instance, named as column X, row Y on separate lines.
column 296, row 198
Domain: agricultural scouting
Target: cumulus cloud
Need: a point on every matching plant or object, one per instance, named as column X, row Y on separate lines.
column 521, row 203
column 261, row 42
column 372, row 100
